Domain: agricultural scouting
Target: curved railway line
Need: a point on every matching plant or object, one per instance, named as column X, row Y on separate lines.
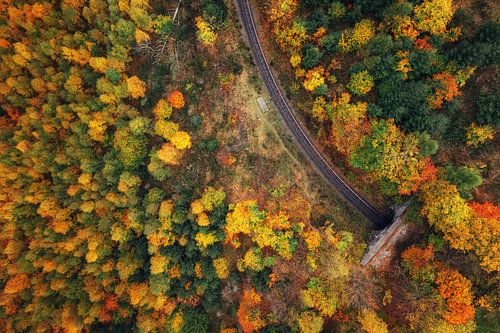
column 294, row 126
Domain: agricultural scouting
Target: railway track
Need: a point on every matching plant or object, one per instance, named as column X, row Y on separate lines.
column 300, row 135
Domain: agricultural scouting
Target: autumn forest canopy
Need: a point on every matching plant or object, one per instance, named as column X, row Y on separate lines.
column 143, row 190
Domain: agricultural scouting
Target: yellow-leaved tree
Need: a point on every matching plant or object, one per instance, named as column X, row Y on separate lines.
column 314, row 79
column 169, row 154
column 136, row 87
column 447, row 212
column 465, row 227
column 433, row 15
column 181, row 140
column 371, row 323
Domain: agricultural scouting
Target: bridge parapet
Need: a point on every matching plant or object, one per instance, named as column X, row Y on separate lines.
column 385, row 236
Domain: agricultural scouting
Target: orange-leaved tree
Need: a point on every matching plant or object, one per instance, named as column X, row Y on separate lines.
column 448, row 283
column 251, row 315
column 456, row 290
column 176, row 99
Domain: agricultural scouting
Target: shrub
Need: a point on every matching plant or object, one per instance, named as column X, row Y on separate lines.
column 206, row 32
column 477, row 135
column 196, row 121
column 212, row 145
column 163, row 25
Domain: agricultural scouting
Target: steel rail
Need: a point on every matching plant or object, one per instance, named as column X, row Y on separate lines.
column 300, row 135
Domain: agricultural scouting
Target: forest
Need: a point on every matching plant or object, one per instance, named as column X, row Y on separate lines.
column 143, row 190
